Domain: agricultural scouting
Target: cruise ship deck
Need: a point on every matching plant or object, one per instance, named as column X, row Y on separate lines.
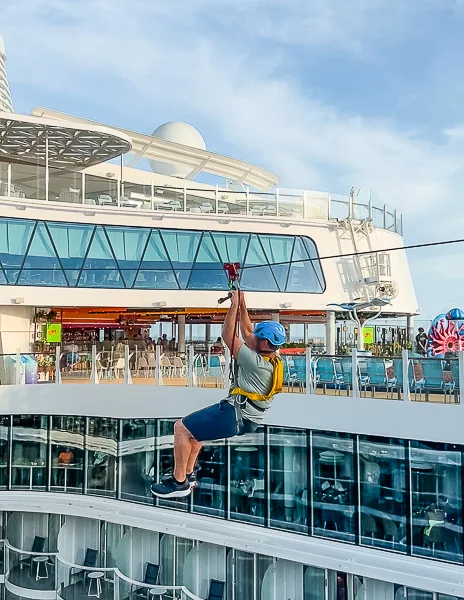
column 352, row 487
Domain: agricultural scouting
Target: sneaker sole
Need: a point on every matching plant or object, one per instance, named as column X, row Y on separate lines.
column 179, row 494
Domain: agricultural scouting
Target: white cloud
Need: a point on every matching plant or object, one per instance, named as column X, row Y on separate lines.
column 228, row 66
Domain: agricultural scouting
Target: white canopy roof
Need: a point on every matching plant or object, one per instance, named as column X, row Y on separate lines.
column 26, row 137
column 155, row 148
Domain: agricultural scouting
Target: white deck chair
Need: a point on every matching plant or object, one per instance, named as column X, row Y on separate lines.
column 166, row 366
column 179, row 367
column 143, row 364
column 151, row 363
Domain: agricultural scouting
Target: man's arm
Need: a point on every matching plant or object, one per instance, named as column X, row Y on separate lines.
column 246, row 326
column 229, row 334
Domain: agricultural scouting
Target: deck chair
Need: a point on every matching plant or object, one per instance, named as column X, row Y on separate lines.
column 90, row 560
column 150, row 578
column 216, row 590
column 38, row 546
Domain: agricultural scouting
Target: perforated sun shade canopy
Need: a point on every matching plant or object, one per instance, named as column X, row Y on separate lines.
column 69, row 144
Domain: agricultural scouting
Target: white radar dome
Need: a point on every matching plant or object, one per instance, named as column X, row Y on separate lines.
column 180, row 133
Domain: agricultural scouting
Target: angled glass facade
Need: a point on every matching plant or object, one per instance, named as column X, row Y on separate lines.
column 47, row 253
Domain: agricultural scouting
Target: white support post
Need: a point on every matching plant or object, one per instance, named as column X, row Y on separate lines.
column 185, row 196
column 216, row 198
column 118, row 191
column 152, row 197
column 18, row 366
column 277, row 201
column 158, row 376
column 384, row 216
column 57, row 364
column 83, row 187
column 461, row 374
column 309, row 372
column 329, row 207
column 46, row 167
column 354, row 372
column 247, row 200
column 8, row 191
column 94, row 371
column 191, row 371
column 370, row 208
column 405, row 368
column 127, row 371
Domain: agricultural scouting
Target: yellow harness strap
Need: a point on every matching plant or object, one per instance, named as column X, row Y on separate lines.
column 277, row 382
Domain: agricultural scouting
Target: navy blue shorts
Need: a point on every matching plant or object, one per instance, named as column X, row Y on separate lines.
column 216, row 423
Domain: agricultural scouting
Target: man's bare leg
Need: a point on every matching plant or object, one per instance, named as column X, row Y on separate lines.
column 186, row 450
column 196, row 449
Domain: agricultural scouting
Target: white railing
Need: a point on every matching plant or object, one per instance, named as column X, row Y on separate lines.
column 406, row 377
column 105, row 193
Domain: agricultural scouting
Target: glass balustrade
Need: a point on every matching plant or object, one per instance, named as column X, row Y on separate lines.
column 29, row 181
column 394, row 494
column 409, row 377
column 30, row 570
column 78, row 581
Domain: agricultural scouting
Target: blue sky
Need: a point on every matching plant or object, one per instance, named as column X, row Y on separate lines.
column 327, row 93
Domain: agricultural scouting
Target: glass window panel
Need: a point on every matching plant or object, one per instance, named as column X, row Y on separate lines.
column 67, row 454
column 41, row 253
column 207, row 256
column 102, row 191
column 258, row 279
column 128, row 277
column 382, row 516
column 101, row 278
column 72, row 277
column 413, row 594
column 255, row 254
column 137, row 452
column 183, row 548
column 155, row 256
column 12, row 275
column 288, row 479
column 262, row 565
column 278, row 248
column 28, row 180
column 314, row 584
column 209, row 498
column 337, row 585
column 4, row 450
column 3, row 280
column 232, row 246
column 333, row 485
column 128, row 244
column 247, row 478
column 15, row 235
column 65, row 186
column 241, row 572
column 29, row 453
column 302, row 278
column 101, row 445
column 157, row 279
column 182, row 247
column 207, row 279
column 71, row 241
column 53, row 277
column 100, row 255
column 165, row 461
column 436, row 500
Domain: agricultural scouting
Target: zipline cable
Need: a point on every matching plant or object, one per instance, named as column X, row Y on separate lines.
column 364, row 253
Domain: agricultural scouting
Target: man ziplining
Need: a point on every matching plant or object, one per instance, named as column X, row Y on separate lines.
column 257, row 377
